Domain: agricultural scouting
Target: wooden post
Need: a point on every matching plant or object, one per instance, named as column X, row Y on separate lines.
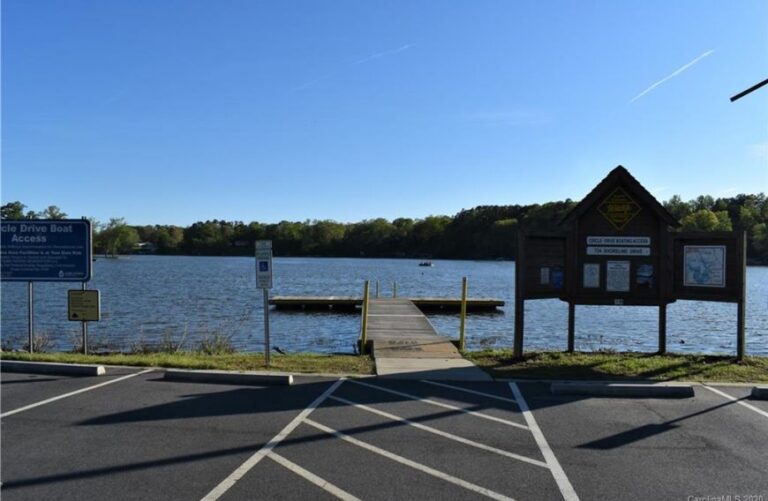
column 463, row 316
column 571, row 326
column 394, row 289
column 377, row 289
column 364, row 328
column 517, row 349
column 662, row 328
column 740, row 337
column 741, row 313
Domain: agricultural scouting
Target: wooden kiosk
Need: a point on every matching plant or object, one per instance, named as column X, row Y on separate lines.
column 617, row 247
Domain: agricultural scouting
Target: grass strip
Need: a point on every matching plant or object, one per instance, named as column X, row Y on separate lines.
column 294, row 362
column 617, row 366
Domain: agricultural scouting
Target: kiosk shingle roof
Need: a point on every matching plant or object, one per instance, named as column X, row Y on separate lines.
column 620, row 176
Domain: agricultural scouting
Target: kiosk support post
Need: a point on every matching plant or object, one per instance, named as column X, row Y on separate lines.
column 517, row 348
column 740, row 338
column 662, row 328
column 519, row 323
column 571, row 326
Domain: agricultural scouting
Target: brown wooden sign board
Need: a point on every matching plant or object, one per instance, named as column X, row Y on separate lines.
column 618, row 248
column 619, row 253
column 543, row 274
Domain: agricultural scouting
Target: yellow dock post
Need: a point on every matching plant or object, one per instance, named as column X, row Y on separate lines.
column 463, row 316
column 364, row 328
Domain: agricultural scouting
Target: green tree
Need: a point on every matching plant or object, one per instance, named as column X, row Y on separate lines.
column 53, row 212
column 96, row 226
column 429, row 236
column 759, row 241
column 702, row 202
column 677, row 207
column 169, row 239
column 13, row 210
column 503, row 239
column 706, row 220
column 117, row 238
column 322, row 237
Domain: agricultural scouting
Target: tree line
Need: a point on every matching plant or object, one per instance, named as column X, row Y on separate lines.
column 484, row 232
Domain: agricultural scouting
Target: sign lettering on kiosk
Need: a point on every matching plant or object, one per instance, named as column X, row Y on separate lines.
column 264, row 264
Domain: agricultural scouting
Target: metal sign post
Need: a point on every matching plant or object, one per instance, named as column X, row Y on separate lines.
column 84, row 306
column 85, row 333
column 264, row 282
column 31, row 308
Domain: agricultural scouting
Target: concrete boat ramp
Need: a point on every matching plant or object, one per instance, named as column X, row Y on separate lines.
column 405, row 345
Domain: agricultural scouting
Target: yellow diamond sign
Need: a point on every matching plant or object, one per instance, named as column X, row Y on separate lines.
column 619, row 209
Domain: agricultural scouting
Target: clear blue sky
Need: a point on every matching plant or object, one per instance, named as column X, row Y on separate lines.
column 173, row 111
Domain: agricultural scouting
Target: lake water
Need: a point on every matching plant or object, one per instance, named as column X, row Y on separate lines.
column 148, row 299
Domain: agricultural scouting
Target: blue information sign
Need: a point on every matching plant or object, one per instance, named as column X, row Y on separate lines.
column 46, row 250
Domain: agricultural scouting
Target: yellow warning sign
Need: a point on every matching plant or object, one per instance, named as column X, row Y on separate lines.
column 619, row 208
column 84, row 305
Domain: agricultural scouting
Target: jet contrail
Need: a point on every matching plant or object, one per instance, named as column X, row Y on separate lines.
column 382, row 54
column 377, row 55
column 671, row 75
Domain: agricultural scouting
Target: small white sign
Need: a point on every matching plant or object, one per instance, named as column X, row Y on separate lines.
column 544, row 275
column 618, row 240
column 591, row 275
column 618, row 251
column 264, row 264
column 617, row 276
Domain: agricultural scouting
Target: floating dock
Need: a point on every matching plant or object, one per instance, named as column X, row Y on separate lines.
column 351, row 303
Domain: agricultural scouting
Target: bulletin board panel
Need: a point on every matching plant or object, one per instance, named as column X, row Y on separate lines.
column 541, row 266
column 709, row 266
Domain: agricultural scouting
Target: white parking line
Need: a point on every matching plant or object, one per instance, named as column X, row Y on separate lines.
column 72, row 393
column 566, row 489
column 466, row 390
column 449, row 436
column 252, row 461
column 445, row 406
column 311, row 477
column 734, row 399
column 417, row 466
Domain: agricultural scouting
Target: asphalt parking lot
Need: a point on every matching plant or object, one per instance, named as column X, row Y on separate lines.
column 133, row 435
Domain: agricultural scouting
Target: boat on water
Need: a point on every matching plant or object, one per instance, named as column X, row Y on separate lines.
column 426, row 263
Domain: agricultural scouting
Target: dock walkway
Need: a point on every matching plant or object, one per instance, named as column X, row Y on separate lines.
column 405, row 344
column 351, row 303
